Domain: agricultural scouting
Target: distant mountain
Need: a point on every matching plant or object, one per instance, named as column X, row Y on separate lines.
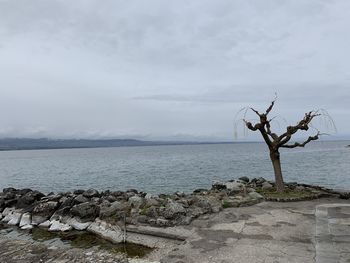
column 30, row 144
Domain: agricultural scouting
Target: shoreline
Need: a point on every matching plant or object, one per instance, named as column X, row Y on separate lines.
column 160, row 222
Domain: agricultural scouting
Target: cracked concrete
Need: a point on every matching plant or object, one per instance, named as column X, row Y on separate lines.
column 316, row 231
column 265, row 233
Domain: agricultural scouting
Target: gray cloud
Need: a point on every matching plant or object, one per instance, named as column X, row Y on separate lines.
column 157, row 69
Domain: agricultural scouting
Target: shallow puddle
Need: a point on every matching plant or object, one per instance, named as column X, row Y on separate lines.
column 78, row 239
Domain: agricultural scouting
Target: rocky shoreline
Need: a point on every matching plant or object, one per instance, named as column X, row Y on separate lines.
column 123, row 216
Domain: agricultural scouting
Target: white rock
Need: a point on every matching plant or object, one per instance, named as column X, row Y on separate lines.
column 58, row 226
column 7, row 211
column 45, row 224
column 15, row 218
column 26, row 227
column 235, row 186
column 25, row 220
column 110, row 232
column 78, row 225
column 255, row 195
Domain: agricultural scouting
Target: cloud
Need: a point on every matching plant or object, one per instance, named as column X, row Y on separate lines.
column 160, row 68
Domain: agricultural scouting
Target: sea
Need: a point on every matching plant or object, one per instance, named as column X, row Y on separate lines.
column 166, row 169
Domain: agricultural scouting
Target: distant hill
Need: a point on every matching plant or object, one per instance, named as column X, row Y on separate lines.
column 30, row 144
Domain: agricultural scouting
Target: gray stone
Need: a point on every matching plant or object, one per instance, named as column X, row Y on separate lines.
column 136, row 201
column 266, row 186
column 81, row 199
column 244, row 179
column 86, row 211
column 112, row 209
column 173, row 209
column 255, row 195
column 91, row 193
column 110, row 232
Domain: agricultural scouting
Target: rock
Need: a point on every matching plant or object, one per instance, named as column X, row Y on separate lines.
column 107, row 231
column 108, row 211
column 196, row 212
column 91, row 193
column 45, row 209
column 86, row 211
column 162, row 222
column 299, row 188
column 173, row 210
column 78, row 192
column 151, row 211
column 344, row 195
column 58, row 226
column 259, row 181
column 45, row 224
column 244, row 179
column 266, row 186
column 27, row 227
column 29, row 198
column 219, row 186
column 60, row 213
column 25, row 220
column 235, row 186
column 37, row 219
column 255, row 195
column 80, row 199
column 15, row 218
column 77, row 225
column 151, row 196
column 111, row 198
column 7, row 211
column 136, row 201
column 230, row 202
column 200, row 190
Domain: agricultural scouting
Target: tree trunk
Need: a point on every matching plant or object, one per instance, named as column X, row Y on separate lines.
column 276, row 162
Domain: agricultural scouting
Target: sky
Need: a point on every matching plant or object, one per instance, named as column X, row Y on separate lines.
column 170, row 70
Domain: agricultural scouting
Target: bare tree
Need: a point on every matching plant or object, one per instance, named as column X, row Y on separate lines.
column 275, row 142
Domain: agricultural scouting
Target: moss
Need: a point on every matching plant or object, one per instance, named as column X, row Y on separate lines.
column 286, row 194
column 226, row 205
column 82, row 239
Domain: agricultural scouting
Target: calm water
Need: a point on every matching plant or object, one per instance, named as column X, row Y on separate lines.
column 169, row 168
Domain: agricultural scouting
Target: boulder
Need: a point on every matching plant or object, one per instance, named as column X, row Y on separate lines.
column 77, row 225
column 91, row 193
column 235, row 186
column 136, row 201
column 28, row 199
column 108, row 211
column 173, row 210
column 244, row 179
column 87, row 211
column 255, row 195
column 58, row 226
column 15, row 218
column 45, row 224
column 45, row 209
column 27, row 227
column 25, row 220
column 266, row 186
column 107, row 231
column 80, row 199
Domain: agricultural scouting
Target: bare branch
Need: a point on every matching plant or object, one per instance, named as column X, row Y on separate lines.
column 271, row 105
column 252, row 127
column 302, row 125
column 257, row 113
column 297, row 144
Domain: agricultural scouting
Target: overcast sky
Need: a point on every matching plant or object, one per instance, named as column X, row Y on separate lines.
column 168, row 69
